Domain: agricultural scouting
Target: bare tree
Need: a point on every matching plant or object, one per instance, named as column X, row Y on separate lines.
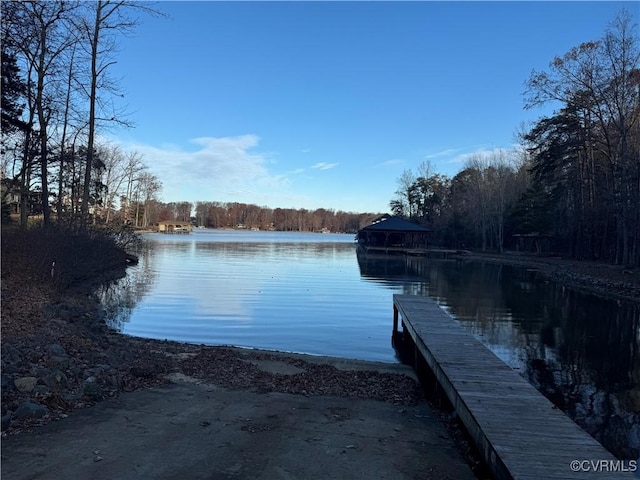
column 403, row 202
column 600, row 81
column 114, row 176
column 426, row 169
column 479, row 193
column 107, row 19
column 134, row 167
column 67, row 130
column 149, row 186
column 495, row 182
column 40, row 32
column 183, row 211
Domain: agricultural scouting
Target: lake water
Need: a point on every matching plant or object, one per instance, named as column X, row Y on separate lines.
column 311, row 293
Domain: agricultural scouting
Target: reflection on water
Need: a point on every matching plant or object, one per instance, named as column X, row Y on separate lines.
column 311, row 293
column 581, row 351
column 119, row 299
column 292, row 292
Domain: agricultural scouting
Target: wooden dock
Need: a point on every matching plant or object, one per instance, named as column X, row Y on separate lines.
column 519, row 433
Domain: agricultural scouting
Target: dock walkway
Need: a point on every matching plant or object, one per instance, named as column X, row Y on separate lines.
column 520, row 434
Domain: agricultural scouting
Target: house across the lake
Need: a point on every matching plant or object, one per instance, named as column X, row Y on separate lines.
column 391, row 235
column 172, row 226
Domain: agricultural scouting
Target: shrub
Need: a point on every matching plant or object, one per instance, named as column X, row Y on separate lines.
column 60, row 256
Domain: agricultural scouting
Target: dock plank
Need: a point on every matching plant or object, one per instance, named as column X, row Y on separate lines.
column 518, row 431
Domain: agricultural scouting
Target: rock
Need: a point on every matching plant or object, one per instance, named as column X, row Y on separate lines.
column 91, row 389
column 114, row 380
column 35, row 356
column 40, row 390
column 6, row 383
column 71, row 397
column 75, row 371
column 25, row 384
column 60, row 361
column 99, row 369
column 10, row 356
column 30, row 410
column 56, row 379
column 56, row 350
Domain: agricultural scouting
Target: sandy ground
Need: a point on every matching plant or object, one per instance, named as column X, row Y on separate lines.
column 195, row 430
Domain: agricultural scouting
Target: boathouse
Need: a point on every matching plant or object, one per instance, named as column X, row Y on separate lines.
column 390, row 235
column 172, row 226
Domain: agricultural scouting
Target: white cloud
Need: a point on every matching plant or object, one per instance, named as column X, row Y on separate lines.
column 481, row 151
column 394, row 162
column 324, row 165
column 217, row 169
column 443, row 153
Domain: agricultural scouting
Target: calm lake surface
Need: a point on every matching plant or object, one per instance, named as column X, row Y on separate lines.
column 312, row 293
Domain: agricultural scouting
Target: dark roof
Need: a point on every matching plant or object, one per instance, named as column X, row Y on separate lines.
column 395, row 224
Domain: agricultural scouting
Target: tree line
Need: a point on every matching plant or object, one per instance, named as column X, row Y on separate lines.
column 242, row 215
column 573, row 182
column 472, row 209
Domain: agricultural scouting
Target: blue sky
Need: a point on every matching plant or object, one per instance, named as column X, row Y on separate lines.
column 325, row 104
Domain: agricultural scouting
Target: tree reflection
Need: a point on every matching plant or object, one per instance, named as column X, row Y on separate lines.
column 120, row 298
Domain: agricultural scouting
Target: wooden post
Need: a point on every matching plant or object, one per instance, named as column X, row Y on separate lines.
column 395, row 319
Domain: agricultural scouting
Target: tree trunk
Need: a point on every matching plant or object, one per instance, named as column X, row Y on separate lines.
column 25, row 180
column 25, row 177
column 43, row 120
column 92, row 115
column 63, row 140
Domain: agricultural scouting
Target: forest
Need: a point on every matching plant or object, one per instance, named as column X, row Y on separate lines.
column 571, row 186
